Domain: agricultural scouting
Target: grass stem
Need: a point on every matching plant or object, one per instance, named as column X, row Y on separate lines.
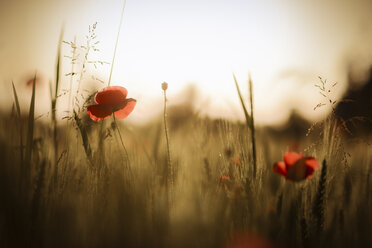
column 20, row 123
column 247, row 117
column 121, row 139
column 30, row 136
column 84, row 137
column 54, row 105
column 117, row 41
column 170, row 174
column 253, row 138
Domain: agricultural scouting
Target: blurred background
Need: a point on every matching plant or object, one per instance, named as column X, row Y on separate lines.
column 195, row 46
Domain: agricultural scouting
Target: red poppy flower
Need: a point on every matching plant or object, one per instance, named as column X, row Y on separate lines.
column 296, row 167
column 111, row 100
column 250, row 240
column 39, row 81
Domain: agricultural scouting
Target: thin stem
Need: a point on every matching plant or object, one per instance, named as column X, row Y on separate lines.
column 54, row 105
column 121, row 139
column 139, row 141
column 247, row 117
column 72, row 76
column 252, row 128
column 170, row 179
column 83, row 67
column 116, row 43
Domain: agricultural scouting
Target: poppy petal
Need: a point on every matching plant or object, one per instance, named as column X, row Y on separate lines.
column 280, row 168
column 127, row 109
column 111, row 95
column 298, row 171
column 311, row 165
column 99, row 112
column 309, row 172
column 290, row 158
column 312, row 162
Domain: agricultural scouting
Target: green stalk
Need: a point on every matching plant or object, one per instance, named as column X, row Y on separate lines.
column 170, row 174
column 109, row 82
column 253, row 139
column 319, row 202
column 30, row 135
column 247, row 117
column 20, row 124
column 54, row 104
column 121, row 139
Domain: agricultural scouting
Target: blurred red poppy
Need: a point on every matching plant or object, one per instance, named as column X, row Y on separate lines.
column 225, row 181
column 237, row 160
column 224, row 178
column 111, row 100
column 39, row 81
column 296, row 167
column 248, row 240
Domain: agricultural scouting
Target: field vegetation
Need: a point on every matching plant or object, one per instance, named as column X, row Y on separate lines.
column 176, row 181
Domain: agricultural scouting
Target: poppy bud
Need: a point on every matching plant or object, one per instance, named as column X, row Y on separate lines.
column 164, row 86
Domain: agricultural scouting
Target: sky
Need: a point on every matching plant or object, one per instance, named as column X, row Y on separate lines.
column 285, row 45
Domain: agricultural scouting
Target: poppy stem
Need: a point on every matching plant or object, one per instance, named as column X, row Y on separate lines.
column 116, row 43
column 121, row 139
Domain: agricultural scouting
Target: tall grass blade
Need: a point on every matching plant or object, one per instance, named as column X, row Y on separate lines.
column 35, row 205
column 58, row 63
column 54, row 105
column 16, row 101
column 253, row 138
column 318, row 208
column 117, row 41
column 20, row 123
column 30, row 134
column 247, row 117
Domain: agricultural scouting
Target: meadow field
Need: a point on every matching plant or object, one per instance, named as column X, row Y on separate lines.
column 181, row 180
column 72, row 183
